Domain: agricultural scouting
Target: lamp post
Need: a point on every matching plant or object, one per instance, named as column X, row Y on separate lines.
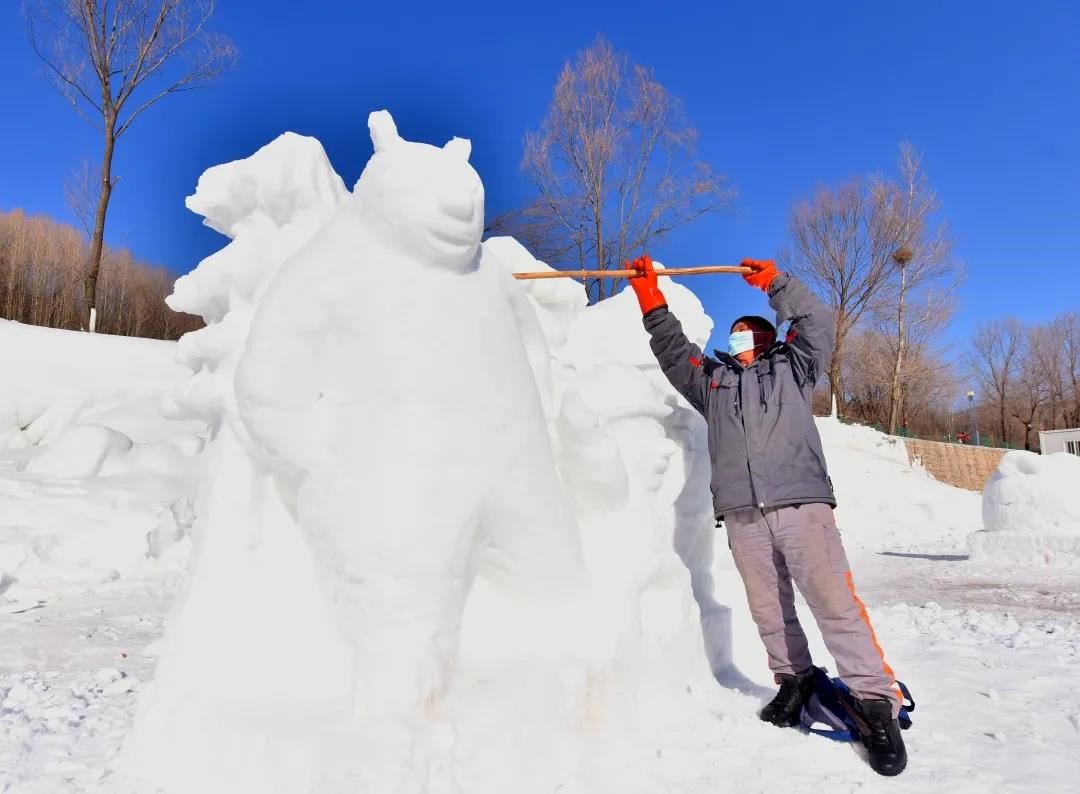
column 971, row 416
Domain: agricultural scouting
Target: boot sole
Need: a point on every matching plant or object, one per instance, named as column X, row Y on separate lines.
column 891, row 773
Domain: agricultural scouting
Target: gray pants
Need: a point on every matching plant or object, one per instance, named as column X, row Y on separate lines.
column 773, row 547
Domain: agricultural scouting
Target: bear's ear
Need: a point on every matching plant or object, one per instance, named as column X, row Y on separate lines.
column 383, row 130
column 462, row 147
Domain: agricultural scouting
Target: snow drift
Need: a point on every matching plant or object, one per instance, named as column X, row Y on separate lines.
column 55, row 379
column 94, row 482
column 886, row 504
column 1031, row 511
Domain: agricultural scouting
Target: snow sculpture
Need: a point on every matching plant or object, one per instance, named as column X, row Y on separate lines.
column 633, row 456
column 250, row 648
column 381, row 443
column 1031, row 511
column 407, row 418
column 383, row 513
column 663, row 441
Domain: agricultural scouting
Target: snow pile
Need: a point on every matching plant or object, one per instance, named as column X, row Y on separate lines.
column 94, row 482
column 885, row 504
column 1031, row 511
column 386, row 442
column 63, row 535
column 33, row 705
column 54, row 379
column 79, row 452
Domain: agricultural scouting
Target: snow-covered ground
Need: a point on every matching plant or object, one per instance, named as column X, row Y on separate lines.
column 285, row 527
column 989, row 652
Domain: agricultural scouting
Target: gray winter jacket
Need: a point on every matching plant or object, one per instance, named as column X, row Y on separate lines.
column 763, row 443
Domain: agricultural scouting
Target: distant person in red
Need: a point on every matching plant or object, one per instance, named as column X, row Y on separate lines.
column 963, row 438
column 772, row 490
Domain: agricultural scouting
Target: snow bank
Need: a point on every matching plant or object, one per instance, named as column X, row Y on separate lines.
column 885, row 504
column 54, row 379
column 1031, row 511
column 79, row 452
column 95, row 483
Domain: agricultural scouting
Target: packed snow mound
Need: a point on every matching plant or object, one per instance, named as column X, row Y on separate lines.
column 1031, row 511
column 55, row 379
column 884, row 503
column 79, row 452
column 95, row 483
column 1034, row 493
column 59, row 536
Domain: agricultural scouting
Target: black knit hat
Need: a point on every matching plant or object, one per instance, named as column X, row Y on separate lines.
column 756, row 321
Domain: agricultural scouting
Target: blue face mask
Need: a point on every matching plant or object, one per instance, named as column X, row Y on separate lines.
column 740, row 342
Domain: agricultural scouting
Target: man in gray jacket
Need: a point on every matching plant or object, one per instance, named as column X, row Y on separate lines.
column 772, row 490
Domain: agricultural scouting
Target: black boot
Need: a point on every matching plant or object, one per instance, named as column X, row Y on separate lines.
column 881, row 735
column 783, row 710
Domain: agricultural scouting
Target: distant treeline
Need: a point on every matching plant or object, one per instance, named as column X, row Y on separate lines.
column 42, row 263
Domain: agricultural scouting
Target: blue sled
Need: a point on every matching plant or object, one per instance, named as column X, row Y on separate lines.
column 832, row 705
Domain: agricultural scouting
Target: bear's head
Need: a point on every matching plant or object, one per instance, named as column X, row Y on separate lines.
column 422, row 200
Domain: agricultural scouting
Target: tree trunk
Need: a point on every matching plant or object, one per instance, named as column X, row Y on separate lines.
column 901, row 342
column 1028, row 426
column 1004, row 423
column 97, row 242
column 600, row 246
column 835, row 378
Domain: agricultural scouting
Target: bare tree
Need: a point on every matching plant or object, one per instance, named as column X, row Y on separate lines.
column 535, row 228
column 997, row 352
column 613, row 166
column 1034, row 384
column 1068, row 333
column 1049, row 361
column 919, row 297
column 113, row 60
column 928, row 382
column 843, row 241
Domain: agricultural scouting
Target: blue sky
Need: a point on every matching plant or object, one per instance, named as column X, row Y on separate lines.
column 787, row 96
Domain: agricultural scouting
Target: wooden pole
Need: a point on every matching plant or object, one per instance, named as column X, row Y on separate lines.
column 667, row 271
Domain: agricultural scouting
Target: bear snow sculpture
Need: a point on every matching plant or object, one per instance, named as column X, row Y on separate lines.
column 379, row 440
column 386, row 379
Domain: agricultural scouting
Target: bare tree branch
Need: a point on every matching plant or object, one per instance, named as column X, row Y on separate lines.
column 117, row 49
column 997, row 350
column 612, row 166
column 81, row 195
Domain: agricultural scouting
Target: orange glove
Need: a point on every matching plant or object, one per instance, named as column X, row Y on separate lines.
column 764, row 271
column 645, row 287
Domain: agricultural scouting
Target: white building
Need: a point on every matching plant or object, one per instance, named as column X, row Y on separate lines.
column 1060, row 441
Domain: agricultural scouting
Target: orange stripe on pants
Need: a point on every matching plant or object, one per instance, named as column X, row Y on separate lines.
column 873, row 635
